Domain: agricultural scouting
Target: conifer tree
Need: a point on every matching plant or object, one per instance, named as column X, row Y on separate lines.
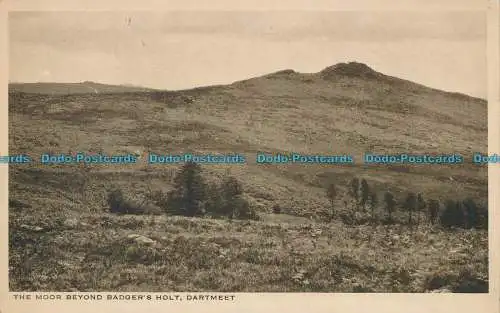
column 373, row 203
column 331, row 193
column 433, row 211
column 390, row 204
column 232, row 191
column 452, row 215
column 354, row 191
column 421, row 205
column 471, row 210
column 365, row 193
column 189, row 191
column 410, row 205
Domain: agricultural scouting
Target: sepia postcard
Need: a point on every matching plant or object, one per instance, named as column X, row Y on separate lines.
column 263, row 156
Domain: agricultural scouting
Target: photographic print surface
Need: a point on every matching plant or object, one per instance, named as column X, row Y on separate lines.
column 249, row 151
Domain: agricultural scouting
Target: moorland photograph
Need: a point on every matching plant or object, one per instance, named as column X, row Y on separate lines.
column 104, row 109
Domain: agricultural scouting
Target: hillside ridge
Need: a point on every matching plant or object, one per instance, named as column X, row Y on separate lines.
column 352, row 69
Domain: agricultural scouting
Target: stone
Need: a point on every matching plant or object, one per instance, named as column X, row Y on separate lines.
column 141, row 239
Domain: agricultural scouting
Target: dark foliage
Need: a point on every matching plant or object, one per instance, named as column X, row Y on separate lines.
column 452, row 215
column 365, row 193
column 390, row 204
column 354, row 192
column 410, row 206
column 189, row 191
column 433, row 211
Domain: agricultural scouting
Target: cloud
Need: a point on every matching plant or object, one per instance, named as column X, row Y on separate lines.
column 69, row 28
column 187, row 49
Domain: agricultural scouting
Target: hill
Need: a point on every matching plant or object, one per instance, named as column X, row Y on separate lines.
column 347, row 108
column 72, row 88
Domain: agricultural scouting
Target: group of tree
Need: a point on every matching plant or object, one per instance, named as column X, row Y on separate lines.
column 192, row 196
column 455, row 213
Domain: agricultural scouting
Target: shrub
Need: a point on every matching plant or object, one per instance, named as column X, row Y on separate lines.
column 453, row 215
column 276, row 209
column 468, row 283
column 115, row 201
column 231, row 188
column 119, row 204
column 160, row 199
column 355, row 218
column 471, row 211
column 233, row 203
column 475, row 216
column 438, row 280
column 227, row 200
column 433, row 211
column 214, row 204
column 464, row 282
column 242, row 209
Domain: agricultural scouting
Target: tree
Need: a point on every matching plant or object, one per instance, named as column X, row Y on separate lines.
column 482, row 216
column 460, row 214
column 433, row 211
column 365, row 193
column 214, row 204
column 453, row 215
column 410, row 205
column 421, row 205
column 373, row 203
column 471, row 213
column 115, row 201
column 354, row 192
column 242, row 210
column 390, row 204
column 231, row 191
column 331, row 193
column 231, row 187
column 189, row 191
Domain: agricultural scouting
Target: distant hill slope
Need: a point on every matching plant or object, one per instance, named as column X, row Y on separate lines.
column 72, row 88
column 347, row 108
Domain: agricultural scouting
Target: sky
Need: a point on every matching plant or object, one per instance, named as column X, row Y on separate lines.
column 185, row 49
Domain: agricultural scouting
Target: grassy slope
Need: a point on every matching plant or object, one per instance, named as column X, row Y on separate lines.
column 339, row 110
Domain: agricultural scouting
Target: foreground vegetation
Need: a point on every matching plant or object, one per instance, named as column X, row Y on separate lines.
column 218, row 243
column 102, row 253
